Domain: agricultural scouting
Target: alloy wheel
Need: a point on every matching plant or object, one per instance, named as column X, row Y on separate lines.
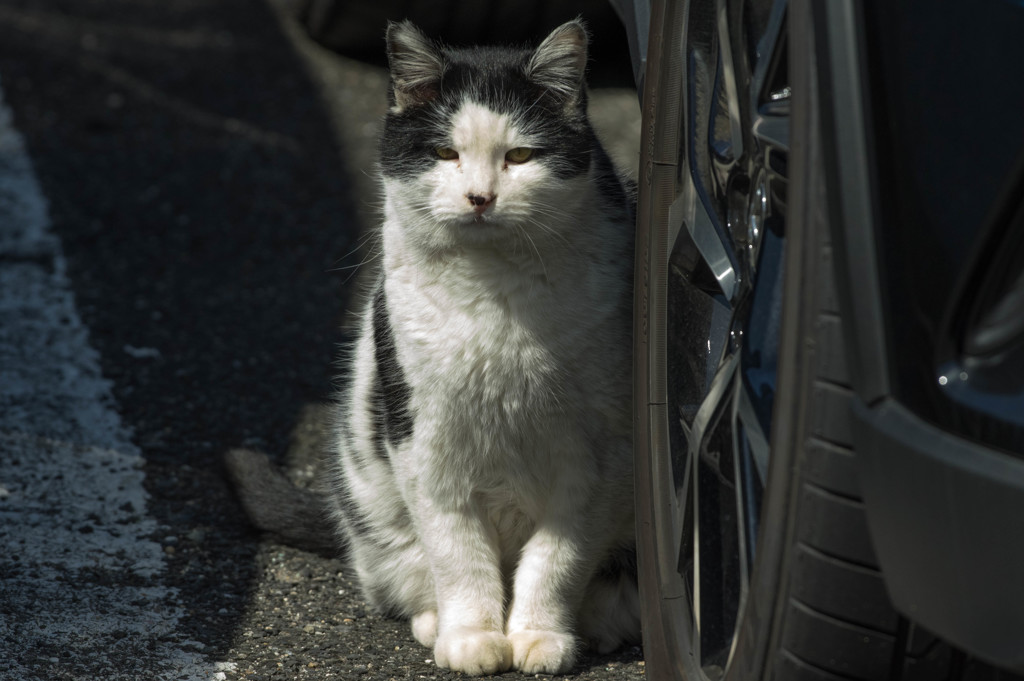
column 716, row 195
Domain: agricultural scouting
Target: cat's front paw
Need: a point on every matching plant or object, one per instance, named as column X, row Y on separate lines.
column 542, row 652
column 424, row 628
column 473, row 651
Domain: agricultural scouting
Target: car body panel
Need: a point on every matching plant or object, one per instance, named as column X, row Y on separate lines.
column 941, row 472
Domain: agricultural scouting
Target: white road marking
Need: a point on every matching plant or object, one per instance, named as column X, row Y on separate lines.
column 80, row 595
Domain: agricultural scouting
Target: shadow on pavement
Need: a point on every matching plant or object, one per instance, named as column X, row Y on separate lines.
column 198, row 189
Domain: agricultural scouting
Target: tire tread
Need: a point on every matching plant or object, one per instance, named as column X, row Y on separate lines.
column 835, row 525
column 831, row 467
column 844, row 590
column 791, row 667
column 839, row 623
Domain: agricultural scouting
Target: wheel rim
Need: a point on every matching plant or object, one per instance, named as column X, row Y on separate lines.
column 724, row 277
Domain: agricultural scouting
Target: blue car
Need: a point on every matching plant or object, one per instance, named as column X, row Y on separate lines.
column 829, row 338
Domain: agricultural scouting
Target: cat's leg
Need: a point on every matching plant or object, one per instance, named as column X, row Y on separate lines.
column 540, row 620
column 470, row 595
column 396, row 580
column 383, row 545
column 556, row 566
column 424, row 628
column 389, row 560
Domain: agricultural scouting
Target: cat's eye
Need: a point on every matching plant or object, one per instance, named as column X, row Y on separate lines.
column 446, row 153
column 519, row 155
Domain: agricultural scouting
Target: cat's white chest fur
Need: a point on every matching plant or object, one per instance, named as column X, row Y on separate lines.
column 488, row 346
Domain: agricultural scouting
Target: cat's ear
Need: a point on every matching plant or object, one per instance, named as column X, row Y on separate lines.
column 416, row 65
column 560, row 62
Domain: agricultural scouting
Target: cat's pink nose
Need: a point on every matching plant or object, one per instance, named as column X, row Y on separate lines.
column 480, row 202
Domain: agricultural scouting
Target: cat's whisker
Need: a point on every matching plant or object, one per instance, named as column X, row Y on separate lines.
column 556, row 235
column 371, row 257
column 531, row 242
column 362, row 241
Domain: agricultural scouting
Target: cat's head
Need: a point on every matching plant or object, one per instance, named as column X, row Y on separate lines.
column 483, row 140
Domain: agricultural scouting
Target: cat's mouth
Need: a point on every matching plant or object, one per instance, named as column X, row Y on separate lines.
column 477, row 224
column 474, row 220
column 478, row 229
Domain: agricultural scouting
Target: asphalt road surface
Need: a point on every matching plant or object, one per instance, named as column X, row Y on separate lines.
column 185, row 193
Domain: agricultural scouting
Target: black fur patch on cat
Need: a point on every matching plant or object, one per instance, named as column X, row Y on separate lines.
column 390, row 392
column 354, row 518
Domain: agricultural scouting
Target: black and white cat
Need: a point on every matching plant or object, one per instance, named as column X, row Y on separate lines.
column 482, row 476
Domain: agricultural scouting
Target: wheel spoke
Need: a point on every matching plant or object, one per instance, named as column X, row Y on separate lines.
column 772, row 131
column 746, row 416
column 727, row 76
column 714, row 250
column 683, row 525
column 750, row 449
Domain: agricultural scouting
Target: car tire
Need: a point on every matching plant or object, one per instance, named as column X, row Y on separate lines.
column 812, row 605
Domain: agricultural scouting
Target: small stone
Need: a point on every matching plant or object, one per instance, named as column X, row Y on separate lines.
column 286, row 576
column 141, row 353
